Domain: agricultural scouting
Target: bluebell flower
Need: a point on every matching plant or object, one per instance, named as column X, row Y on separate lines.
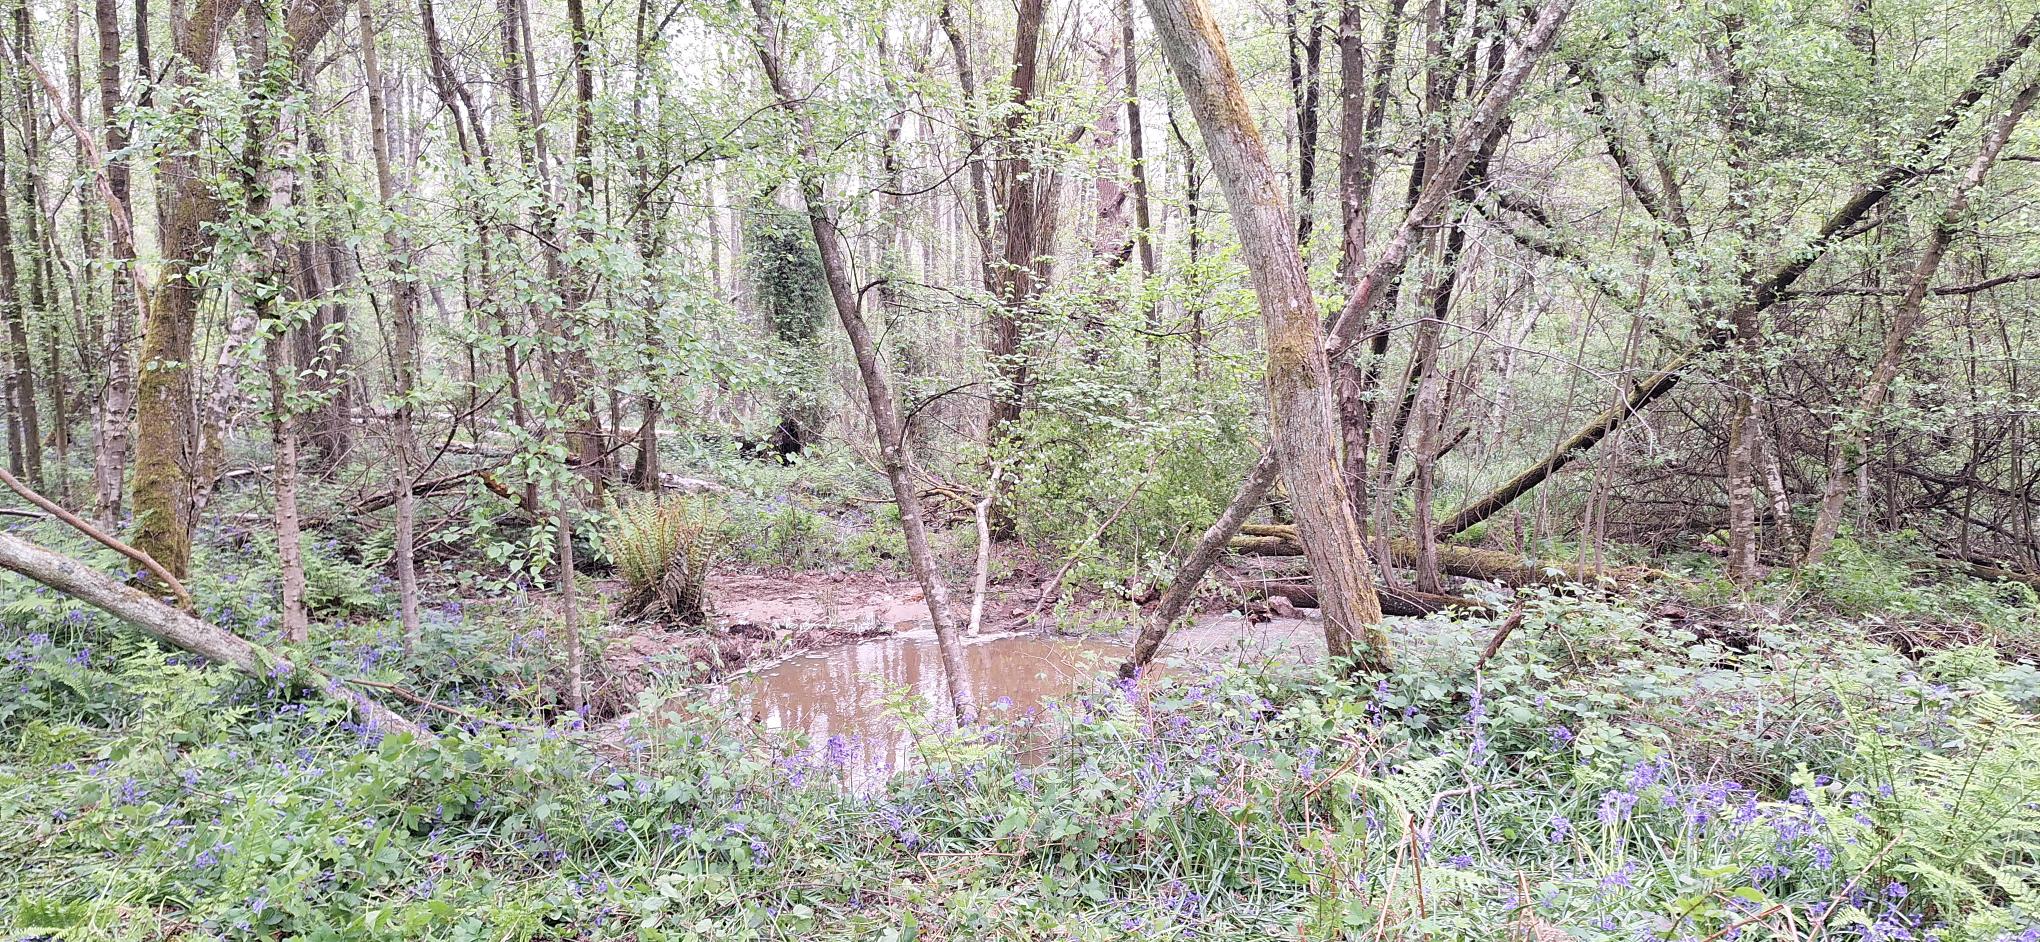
column 1561, row 826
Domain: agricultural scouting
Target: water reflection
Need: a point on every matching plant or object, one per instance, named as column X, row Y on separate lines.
column 839, row 697
column 843, row 692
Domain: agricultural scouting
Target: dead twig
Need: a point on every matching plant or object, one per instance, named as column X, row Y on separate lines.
column 402, row 693
column 1054, row 585
column 1502, row 633
column 983, row 511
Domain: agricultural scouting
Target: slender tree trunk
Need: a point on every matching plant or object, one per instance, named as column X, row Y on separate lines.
column 646, row 233
column 15, row 307
column 871, row 368
column 591, row 442
column 1143, row 219
column 404, row 333
column 36, row 250
column 1193, row 201
column 289, row 538
column 1306, row 50
column 1245, row 501
column 980, row 196
column 269, row 180
column 1908, row 320
column 1112, row 239
column 116, row 401
column 570, row 610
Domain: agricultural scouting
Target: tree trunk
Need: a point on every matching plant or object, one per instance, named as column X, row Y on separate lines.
column 166, row 447
column 1306, row 51
column 404, row 340
column 21, row 411
column 36, row 250
column 871, row 368
column 289, row 541
column 165, row 453
column 1305, row 430
column 1193, row 237
column 570, row 610
column 184, row 632
column 116, row 399
column 1028, row 194
column 1245, row 501
column 1136, row 151
column 1363, row 108
column 1910, row 317
column 646, row 233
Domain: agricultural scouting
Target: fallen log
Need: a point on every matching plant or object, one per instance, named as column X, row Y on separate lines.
column 1463, row 561
column 1405, row 602
column 444, row 482
column 185, row 632
column 1990, row 573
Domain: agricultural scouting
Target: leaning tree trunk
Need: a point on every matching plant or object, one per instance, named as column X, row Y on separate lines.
column 1839, row 226
column 871, row 368
column 1245, row 501
column 184, row 632
column 1305, row 429
column 1911, row 316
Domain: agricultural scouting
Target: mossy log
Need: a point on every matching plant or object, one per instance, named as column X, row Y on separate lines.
column 1466, row 562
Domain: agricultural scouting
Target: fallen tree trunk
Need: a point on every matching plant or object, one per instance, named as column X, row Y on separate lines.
column 1465, row 562
column 184, row 632
column 435, row 485
column 1405, row 602
column 1988, row 572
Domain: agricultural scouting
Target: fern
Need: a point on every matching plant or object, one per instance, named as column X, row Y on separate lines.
column 660, row 547
column 1961, row 813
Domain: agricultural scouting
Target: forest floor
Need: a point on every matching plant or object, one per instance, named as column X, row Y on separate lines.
column 1836, row 756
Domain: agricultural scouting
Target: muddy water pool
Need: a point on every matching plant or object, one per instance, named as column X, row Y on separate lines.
column 843, row 697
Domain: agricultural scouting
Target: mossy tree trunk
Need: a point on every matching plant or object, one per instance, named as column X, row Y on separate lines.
column 1306, row 434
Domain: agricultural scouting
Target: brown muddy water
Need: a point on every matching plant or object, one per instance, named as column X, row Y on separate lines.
column 847, row 695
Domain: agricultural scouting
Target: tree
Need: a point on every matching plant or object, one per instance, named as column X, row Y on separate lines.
column 871, row 368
